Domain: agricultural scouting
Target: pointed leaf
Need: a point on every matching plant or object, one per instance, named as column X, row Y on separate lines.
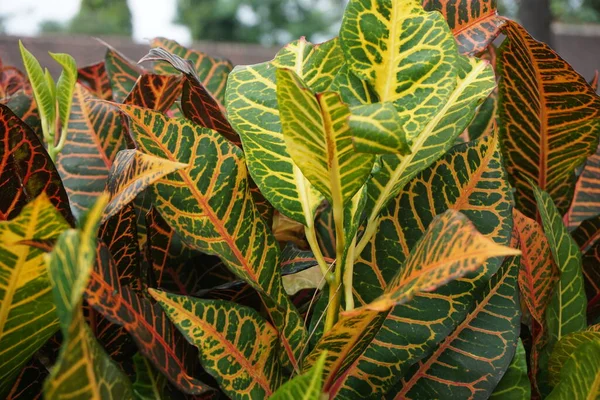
column 122, row 73
column 209, row 205
column 83, row 368
column 65, row 85
column 318, row 125
column 470, row 362
column 538, row 275
column 408, row 56
column 212, row 71
column 475, row 23
column 549, row 119
column 41, row 91
column 566, row 311
column 131, row 173
column 353, row 90
column 514, row 384
column 377, row 129
column 95, row 136
column 197, row 103
column 26, row 170
column 307, row 386
column 236, row 345
column 156, row 92
column 95, row 79
column 27, row 312
column 450, row 248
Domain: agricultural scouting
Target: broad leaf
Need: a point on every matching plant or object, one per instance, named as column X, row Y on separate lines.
column 210, row 206
column 83, row 369
column 211, row 71
column 566, row 311
column 587, row 236
column 131, row 173
column 450, row 248
column 580, row 376
column 156, row 92
column 318, row 125
column 563, row 350
column 470, row 362
column 95, row 79
column 473, row 178
column 549, row 119
column 95, row 136
column 27, row 312
column 26, row 170
column 12, row 81
column 251, row 103
column 476, row 81
column 514, row 384
column 407, row 54
column 307, row 386
column 29, row 384
column 475, row 23
column 25, row 108
column 236, row 345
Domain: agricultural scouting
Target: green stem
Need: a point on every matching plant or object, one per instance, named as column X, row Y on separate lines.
column 349, row 275
column 311, row 238
column 340, row 244
column 366, row 237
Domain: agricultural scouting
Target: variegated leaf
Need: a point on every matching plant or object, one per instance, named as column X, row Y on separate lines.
column 156, row 92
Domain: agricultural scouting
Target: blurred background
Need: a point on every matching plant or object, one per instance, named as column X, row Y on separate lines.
column 247, row 31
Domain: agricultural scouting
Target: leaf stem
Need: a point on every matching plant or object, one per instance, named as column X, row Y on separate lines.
column 349, row 275
column 366, row 237
column 340, row 244
column 311, row 238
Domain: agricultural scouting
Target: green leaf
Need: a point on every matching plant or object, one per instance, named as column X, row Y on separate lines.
column 515, row 384
column 566, row 311
column 83, row 369
column 122, row 73
column 474, row 182
column 149, row 384
column 450, row 248
column 580, row 375
column 41, row 91
column 471, row 360
column 65, row 86
column 27, row 312
column 377, row 129
column 318, row 125
column 209, row 204
column 307, row 386
column 251, row 102
column 476, row 81
column 236, row 346
column 408, row 56
column 563, row 350
column 50, row 82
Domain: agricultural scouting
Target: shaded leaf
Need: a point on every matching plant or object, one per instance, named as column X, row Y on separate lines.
column 149, row 384
column 586, row 200
column 26, row 170
column 236, row 345
column 564, row 349
column 307, row 386
column 29, row 383
column 475, row 23
column 549, row 119
column 122, row 73
column 156, row 92
column 514, row 384
column 12, row 81
column 580, row 376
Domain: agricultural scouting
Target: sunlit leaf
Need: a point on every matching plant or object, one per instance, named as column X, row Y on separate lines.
column 95, row 79
column 307, row 386
column 27, row 311
column 563, row 350
column 156, row 92
column 122, row 73
column 580, row 375
column 12, row 81
column 65, row 86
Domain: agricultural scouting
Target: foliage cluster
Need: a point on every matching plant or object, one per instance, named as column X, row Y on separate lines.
column 403, row 212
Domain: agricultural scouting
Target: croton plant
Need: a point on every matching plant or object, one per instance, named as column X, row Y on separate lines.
column 407, row 211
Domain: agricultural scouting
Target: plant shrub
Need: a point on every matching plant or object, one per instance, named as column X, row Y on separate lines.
column 405, row 211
